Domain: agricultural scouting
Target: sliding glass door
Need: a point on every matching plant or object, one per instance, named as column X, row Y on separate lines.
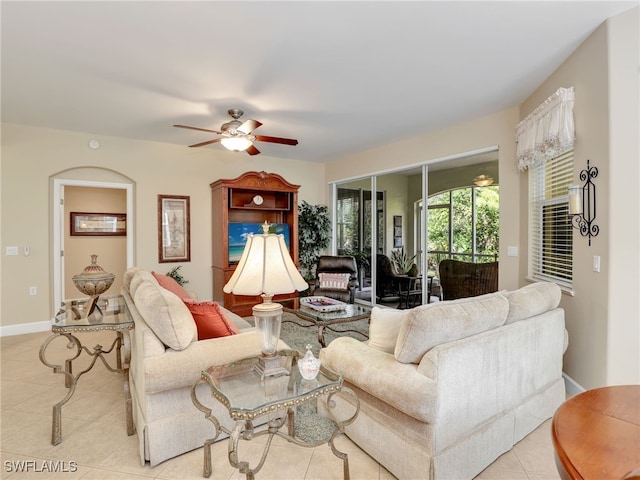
column 397, row 226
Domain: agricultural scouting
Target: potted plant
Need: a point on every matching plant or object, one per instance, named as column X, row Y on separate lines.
column 403, row 263
column 176, row 274
column 314, row 234
column 362, row 261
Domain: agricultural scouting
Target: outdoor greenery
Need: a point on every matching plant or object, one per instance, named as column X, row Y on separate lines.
column 314, row 234
column 462, row 244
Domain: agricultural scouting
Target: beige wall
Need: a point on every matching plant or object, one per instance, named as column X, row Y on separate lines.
column 623, row 336
column 31, row 157
column 111, row 250
column 602, row 318
column 496, row 130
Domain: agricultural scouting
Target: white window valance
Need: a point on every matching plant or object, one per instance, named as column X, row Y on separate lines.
column 547, row 131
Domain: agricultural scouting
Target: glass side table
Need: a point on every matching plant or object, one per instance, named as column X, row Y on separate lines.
column 351, row 313
column 72, row 318
column 280, row 400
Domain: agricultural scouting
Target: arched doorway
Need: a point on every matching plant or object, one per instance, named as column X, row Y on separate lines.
column 84, row 181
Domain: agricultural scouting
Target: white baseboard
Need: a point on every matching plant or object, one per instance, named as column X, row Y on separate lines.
column 571, row 386
column 23, row 328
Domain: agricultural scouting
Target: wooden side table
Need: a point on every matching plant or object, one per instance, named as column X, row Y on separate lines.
column 74, row 317
column 596, row 435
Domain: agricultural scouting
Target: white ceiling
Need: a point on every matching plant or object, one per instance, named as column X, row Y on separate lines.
column 340, row 77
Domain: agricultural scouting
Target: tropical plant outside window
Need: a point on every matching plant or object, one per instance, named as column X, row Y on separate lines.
column 463, row 224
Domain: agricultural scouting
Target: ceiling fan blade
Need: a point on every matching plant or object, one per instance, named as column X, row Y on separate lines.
column 196, row 128
column 285, row 141
column 252, row 150
column 248, row 126
column 208, row 142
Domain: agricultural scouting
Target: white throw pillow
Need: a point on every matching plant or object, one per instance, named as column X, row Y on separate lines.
column 384, row 327
column 334, row 280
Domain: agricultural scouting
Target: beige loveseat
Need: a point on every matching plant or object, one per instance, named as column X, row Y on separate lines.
column 166, row 360
column 448, row 387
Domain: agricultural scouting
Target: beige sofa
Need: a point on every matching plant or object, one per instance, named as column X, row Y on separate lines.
column 166, row 360
column 448, row 387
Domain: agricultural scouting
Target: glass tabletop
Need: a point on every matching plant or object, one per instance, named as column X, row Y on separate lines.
column 350, row 311
column 109, row 310
column 247, row 395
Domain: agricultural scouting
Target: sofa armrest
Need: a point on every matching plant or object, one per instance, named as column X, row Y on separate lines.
column 178, row 369
column 378, row 373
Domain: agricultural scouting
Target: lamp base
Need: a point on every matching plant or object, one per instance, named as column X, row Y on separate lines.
column 270, row 366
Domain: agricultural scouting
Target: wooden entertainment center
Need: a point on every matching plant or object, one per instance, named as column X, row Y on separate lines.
column 241, row 203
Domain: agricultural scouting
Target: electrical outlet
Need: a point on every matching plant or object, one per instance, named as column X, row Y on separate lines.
column 33, row 290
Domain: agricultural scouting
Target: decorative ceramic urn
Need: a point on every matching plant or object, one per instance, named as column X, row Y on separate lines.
column 93, row 280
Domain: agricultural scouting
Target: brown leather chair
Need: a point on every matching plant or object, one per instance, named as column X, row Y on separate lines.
column 336, row 264
column 464, row 279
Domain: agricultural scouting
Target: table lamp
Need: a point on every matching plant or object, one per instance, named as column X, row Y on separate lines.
column 266, row 269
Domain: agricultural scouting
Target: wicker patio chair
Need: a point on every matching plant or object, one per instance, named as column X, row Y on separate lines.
column 464, row 279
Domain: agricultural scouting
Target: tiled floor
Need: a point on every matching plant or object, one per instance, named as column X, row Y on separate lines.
column 95, row 438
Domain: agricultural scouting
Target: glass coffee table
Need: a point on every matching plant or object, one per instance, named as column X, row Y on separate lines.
column 322, row 320
column 111, row 313
column 275, row 400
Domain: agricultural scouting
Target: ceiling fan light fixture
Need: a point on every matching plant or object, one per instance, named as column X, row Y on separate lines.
column 483, row 180
column 236, row 144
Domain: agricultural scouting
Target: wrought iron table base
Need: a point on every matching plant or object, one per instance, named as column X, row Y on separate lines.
column 243, row 429
column 71, row 380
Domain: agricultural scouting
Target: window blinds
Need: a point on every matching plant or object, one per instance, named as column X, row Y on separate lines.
column 550, row 231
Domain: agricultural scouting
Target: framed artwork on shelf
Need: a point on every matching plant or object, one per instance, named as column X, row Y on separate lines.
column 174, row 229
column 98, row 224
column 239, row 231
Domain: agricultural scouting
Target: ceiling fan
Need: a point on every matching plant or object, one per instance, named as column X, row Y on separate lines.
column 238, row 136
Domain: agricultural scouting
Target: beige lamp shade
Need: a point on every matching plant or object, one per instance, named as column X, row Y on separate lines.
column 265, row 268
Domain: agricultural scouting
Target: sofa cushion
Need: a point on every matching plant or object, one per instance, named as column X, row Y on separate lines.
column 384, row 327
column 532, row 300
column 128, row 276
column 442, row 322
column 170, row 284
column 211, row 321
column 165, row 313
column 334, row 280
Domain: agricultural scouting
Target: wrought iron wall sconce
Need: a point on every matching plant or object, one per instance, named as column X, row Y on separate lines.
column 582, row 204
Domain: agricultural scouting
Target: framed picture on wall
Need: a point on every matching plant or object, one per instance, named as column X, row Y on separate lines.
column 98, row 224
column 174, row 229
column 397, row 231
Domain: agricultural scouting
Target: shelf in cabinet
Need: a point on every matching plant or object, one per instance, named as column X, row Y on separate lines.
column 243, row 199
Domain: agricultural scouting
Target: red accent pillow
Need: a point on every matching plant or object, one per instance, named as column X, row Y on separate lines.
column 170, row 284
column 210, row 320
